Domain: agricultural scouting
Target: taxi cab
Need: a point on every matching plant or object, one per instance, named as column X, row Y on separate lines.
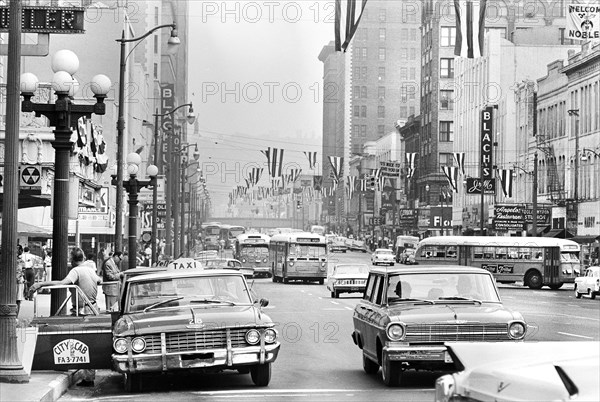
column 192, row 320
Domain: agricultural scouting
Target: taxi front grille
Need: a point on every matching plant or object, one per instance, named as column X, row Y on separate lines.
column 456, row 332
column 192, row 341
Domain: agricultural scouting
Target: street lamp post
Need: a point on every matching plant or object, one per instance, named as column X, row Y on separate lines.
column 63, row 115
column 191, row 118
column 133, row 186
column 172, row 43
column 180, row 224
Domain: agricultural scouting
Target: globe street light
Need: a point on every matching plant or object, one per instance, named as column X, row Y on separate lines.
column 133, row 186
column 190, row 118
column 64, row 116
column 172, row 47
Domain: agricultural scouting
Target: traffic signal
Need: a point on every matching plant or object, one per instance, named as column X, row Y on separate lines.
column 298, row 204
column 372, row 182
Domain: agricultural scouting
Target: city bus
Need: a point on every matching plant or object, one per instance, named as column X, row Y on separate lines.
column 536, row 261
column 228, row 233
column 211, row 233
column 405, row 249
column 317, row 229
column 298, row 256
column 252, row 249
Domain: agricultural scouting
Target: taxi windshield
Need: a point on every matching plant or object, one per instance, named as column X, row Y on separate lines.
column 187, row 290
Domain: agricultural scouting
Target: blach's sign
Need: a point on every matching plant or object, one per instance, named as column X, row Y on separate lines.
column 41, row 19
column 486, row 143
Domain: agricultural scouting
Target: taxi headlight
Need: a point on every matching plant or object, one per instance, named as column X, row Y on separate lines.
column 120, row 345
column 252, row 337
column 516, row 330
column 291, row 263
column 138, row 345
column 395, row 331
column 444, row 388
column 243, row 260
column 270, row 335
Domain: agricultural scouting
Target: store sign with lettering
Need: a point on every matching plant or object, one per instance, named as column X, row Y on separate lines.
column 474, row 186
column 43, row 19
column 487, row 144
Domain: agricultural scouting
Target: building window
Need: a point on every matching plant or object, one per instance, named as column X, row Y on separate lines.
column 382, row 15
column 382, row 53
column 363, row 111
column 363, row 73
column 355, row 72
column 502, row 31
column 447, row 68
column 363, row 131
column 156, row 15
column 413, row 73
column 381, row 130
column 363, row 92
column 404, row 34
column 413, row 53
column 381, row 93
column 381, row 73
column 446, row 131
column 380, row 111
column 446, row 99
column 403, row 53
column 356, row 91
column 411, row 110
column 446, row 159
column 155, row 71
column 364, row 53
column 356, row 129
column 403, row 73
column 413, row 34
column 448, row 36
column 381, row 33
column 403, row 112
column 155, row 37
column 356, row 111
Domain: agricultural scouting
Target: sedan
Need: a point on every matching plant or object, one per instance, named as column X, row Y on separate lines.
column 229, row 263
column 347, row 278
column 382, row 256
column 588, row 284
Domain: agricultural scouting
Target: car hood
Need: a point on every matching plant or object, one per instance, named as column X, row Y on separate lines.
column 181, row 319
column 350, row 276
column 451, row 312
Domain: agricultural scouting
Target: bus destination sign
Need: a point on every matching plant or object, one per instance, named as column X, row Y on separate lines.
column 307, row 240
column 43, row 19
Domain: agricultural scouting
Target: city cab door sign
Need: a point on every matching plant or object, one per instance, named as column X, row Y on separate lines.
column 80, row 338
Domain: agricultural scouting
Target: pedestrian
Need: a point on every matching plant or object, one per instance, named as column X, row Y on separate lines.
column 20, row 287
column 103, row 255
column 48, row 266
column 111, row 275
column 27, row 259
column 84, row 276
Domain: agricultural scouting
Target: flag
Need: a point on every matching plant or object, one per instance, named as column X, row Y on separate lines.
column 336, row 164
column 312, row 159
column 294, row 175
column 506, row 181
column 345, row 24
column 362, row 185
column 459, row 157
column 318, row 182
column 451, row 173
column 274, row 161
column 410, row 162
column 350, row 185
column 470, row 27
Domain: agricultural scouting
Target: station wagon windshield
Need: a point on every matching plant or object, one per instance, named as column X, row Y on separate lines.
column 442, row 287
column 183, row 291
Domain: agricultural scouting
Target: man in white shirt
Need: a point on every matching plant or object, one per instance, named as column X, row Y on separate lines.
column 27, row 259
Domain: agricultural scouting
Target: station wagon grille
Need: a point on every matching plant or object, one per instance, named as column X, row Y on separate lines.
column 456, row 332
column 191, row 341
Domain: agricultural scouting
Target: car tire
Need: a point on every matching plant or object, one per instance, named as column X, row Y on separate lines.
column 369, row 365
column 286, row 280
column 321, row 281
column 534, row 280
column 390, row 372
column 133, row 382
column 555, row 286
column 261, row 374
column 577, row 294
column 244, row 370
column 592, row 295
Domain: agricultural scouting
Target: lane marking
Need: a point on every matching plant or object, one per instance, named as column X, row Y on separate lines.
column 575, row 335
column 349, row 308
column 335, row 302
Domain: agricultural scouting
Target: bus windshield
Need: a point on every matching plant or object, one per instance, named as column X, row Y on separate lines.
column 310, row 251
column 253, row 251
column 234, row 232
column 213, row 230
column 569, row 257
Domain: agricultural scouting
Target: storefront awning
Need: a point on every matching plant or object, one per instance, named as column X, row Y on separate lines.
column 25, row 229
column 559, row 234
column 585, row 239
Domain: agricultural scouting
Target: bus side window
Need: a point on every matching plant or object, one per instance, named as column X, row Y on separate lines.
column 501, row 253
column 488, row 253
column 513, row 253
column 478, row 252
column 440, row 252
column 524, row 253
column 451, row 253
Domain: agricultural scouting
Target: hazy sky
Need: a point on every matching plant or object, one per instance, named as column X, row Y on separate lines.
column 256, row 81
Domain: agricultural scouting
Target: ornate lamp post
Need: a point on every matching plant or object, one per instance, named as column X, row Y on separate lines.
column 172, row 47
column 63, row 115
column 190, row 118
column 133, row 186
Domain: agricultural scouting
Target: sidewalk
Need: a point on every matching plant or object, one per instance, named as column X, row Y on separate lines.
column 46, row 386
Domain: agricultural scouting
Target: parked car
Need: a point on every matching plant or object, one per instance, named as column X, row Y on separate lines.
column 228, row 263
column 522, row 371
column 192, row 320
column 589, row 283
column 382, row 256
column 407, row 314
column 347, row 278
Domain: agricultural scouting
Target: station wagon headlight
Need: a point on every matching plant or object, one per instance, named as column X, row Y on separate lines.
column 395, row 331
column 120, row 345
column 516, row 330
column 252, row 337
column 270, row 335
column 138, row 345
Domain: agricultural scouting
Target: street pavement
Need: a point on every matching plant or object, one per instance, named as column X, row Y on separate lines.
column 46, row 386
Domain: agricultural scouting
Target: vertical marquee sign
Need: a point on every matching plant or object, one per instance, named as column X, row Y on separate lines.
column 486, row 144
column 167, row 104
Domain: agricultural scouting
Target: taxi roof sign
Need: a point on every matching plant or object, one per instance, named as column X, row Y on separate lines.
column 184, row 263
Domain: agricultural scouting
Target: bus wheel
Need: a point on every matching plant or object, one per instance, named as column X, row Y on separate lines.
column 555, row 286
column 274, row 278
column 286, row 280
column 534, row 280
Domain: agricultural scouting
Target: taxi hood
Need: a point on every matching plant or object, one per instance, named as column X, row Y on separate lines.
column 190, row 317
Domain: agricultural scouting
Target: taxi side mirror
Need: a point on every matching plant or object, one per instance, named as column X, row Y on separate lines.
column 264, row 302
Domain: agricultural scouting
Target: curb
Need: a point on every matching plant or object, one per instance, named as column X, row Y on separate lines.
column 58, row 387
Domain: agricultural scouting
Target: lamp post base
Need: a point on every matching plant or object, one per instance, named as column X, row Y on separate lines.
column 17, row 376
